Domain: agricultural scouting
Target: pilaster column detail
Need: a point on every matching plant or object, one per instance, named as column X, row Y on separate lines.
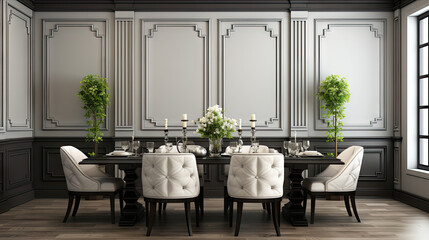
column 124, row 70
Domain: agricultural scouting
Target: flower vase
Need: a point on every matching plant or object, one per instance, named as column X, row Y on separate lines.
column 215, row 147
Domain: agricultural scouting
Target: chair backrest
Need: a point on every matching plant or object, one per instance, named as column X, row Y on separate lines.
column 256, row 175
column 79, row 178
column 344, row 177
column 170, row 175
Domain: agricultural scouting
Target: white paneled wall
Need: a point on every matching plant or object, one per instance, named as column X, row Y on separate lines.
column 160, row 65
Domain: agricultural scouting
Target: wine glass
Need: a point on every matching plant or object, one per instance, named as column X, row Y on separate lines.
column 169, row 146
column 150, row 146
column 286, row 147
column 125, row 145
column 136, row 146
column 305, row 144
column 255, row 146
column 233, row 146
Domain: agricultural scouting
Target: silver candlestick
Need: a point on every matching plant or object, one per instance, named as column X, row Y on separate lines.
column 184, row 137
column 240, row 140
column 253, row 130
column 165, row 136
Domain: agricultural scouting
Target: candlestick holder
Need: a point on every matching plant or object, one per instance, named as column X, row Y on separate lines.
column 184, row 137
column 240, row 140
column 165, row 136
column 253, row 130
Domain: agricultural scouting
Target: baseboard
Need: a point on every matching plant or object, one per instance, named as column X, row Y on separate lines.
column 16, row 200
column 412, row 200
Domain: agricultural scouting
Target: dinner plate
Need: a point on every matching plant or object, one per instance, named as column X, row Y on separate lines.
column 310, row 154
column 119, row 154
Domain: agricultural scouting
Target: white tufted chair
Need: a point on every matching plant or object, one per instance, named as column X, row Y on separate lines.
column 256, row 177
column 200, row 168
column 87, row 180
column 170, row 177
column 244, row 149
column 336, row 180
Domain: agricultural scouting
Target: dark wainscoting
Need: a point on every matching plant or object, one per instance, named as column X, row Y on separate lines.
column 412, row 200
column 376, row 175
column 16, row 178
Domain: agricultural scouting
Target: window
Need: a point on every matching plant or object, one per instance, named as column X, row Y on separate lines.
column 423, row 90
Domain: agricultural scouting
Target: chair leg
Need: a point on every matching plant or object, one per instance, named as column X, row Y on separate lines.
column 146, row 206
column 231, row 212
column 188, row 219
column 313, row 205
column 264, row 206
column 276, row 216
column 164, row 206
column 347, row 203
column 69, row 207
column 76, row 205
column 112, row 208
column 304, row 204
column 160, row 209
column 152, row 218
column 352, row 197
column 239, row 214
column 197, row 211
column 121, row 200
column 225, row 200
column 268, row 205
column 202, row 200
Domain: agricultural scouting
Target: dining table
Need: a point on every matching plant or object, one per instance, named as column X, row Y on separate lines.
column 293, row 211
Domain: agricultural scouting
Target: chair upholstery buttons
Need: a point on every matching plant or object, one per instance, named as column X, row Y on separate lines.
column 153, row 187
column 256, row 177
column 242, row 187
column 183, row 187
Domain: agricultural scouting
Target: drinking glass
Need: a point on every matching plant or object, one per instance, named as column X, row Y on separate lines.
column 233, row 146
column 125, row 145
column 150, row 146
column 136, row 146
column 255, row 146
column 169, row 146
column 286, row 147
column 294, row 148
column 305, row 144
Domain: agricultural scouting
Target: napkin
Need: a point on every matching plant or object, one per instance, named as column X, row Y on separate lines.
column 310, row 154
column 119, row 153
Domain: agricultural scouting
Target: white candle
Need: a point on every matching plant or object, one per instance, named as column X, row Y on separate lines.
column 166, row 124
column 253, row 116
column 239, row 123
column 252, row 123
column 184, row 124
column 184, row 116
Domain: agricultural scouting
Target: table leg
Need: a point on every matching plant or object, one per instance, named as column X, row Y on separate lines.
column 293, row 210
column 133, row 210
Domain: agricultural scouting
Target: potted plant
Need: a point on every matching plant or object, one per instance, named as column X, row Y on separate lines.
column 95, row 97
column 334, row 93
column 215, row 127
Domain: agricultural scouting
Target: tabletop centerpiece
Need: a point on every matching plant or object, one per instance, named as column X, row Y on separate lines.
column 215, row 126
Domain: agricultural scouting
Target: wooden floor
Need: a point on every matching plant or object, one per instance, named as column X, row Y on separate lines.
column 381, row 219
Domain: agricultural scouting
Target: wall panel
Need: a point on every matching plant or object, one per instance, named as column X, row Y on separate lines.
column 18, row 61
column 175, row 78
column 355, row 49
column 72, row 49
column 251, row 70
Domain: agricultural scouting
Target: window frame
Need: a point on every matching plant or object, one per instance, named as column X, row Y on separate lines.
column 419, row 77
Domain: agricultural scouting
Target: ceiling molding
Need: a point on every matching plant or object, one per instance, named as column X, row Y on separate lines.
column 214, row 5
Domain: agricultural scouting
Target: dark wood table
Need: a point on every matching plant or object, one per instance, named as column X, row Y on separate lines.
column 133, row 210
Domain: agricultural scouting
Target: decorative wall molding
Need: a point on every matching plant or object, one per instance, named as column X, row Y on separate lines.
column 397, row 73
column 299, row 74
column 18, row 167
column 18, row 75
column 2, row 81
column 124, row 71
column 377, row 27
column 99, row 30
column 149, row 120
column 227, row 30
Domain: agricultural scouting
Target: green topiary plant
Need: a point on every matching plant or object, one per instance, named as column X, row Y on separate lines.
column 94, row 94
column 334, row 93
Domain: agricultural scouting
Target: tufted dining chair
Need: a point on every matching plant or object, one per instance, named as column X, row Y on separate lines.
column 170, row 177
column 84, row 180
column 336, row 180
column 200, row 168
column 244, row 149
column 256, row 177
